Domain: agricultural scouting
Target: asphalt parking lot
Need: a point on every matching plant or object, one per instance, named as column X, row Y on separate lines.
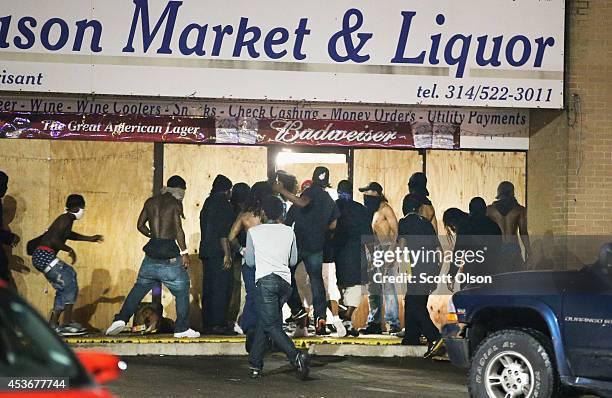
column 172, row 376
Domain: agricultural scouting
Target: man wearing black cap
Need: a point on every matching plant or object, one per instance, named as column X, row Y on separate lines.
column 216, row 219
column 317, row 214
column 166, row 258
column 512, row 220
column 6, row 237
column 417, row 190
column 384, row 226
column 62, row 276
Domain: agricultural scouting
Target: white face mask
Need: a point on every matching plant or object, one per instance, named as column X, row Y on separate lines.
column 79, row 214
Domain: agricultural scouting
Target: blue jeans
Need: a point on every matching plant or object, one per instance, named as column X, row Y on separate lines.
column 173, row 275
column 314, row 269
column 248, row 320
column 272, row 292
column 389, row 292
column 63, row 278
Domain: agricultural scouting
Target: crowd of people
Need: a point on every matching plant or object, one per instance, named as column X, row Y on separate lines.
column 259, row 235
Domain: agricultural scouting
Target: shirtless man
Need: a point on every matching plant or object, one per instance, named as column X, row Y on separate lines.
column 384, row 225
column 164, row 261
column 512, row 220
column 250, row 217
column 417, row 190
column 62, row 276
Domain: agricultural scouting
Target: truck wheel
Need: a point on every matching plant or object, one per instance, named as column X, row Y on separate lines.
column 513, row 363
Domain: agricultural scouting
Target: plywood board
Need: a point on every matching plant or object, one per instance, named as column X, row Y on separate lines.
column 455, row 177
column 198, row 165
column 26, row 208
column 390, row 168
column 115, row 179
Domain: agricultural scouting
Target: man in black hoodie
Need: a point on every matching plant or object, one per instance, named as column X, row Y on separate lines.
column 417, row 190
column 512, row 220
column 351, row 265
column 216, row 219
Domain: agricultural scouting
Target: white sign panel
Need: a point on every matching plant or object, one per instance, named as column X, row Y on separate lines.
column 500, row 53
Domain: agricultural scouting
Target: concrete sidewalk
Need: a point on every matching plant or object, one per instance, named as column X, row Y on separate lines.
column 130, row 345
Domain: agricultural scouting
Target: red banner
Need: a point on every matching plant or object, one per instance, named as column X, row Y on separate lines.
column 108, row 128
column 230, row 130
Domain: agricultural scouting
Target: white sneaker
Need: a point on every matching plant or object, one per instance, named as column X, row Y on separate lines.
column 238, row 329
column 339, row 328
column 189, row 334
column 300, row 332
column 116, row 328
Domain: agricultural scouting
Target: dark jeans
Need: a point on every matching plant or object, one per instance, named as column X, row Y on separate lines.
column 295, row 301
column 173, row 275
column 272, row 292
column 417, row 320
column 248, row 320
column 314, row 269
column 216, row 293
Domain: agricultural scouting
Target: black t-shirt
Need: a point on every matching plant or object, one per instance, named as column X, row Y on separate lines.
column 312, row 221
column 418, row 232
column 216, row 219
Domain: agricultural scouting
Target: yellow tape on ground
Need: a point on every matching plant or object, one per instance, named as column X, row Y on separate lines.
column 168, row 339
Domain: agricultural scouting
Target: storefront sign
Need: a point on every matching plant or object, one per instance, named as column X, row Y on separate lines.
column 503, row 53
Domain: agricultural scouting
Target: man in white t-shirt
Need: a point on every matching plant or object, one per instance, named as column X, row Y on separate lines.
column 271, row 248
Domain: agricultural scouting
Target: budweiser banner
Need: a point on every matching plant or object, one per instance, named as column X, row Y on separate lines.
column 230, row 130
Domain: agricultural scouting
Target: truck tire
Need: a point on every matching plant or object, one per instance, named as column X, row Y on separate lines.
column 514, row 362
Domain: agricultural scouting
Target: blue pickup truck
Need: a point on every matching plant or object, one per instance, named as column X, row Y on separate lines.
column 536, row 333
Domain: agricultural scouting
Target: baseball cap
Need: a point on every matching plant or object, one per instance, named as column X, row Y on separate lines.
column 372, row 186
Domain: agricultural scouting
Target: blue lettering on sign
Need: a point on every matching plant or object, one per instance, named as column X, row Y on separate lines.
column 158, row 32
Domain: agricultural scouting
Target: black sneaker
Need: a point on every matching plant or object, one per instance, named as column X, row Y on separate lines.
column 371, row 329
column 393, row 331
column 435, row 348
column 71, row 329
column 301, row 365
column 352, row 332
column 255, row 373
column 296, row 317
column 321, row 327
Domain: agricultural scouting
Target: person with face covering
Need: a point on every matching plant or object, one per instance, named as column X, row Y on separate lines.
column 417, row 190
column 216, row 219
column 6, row 237
column 62, row 276
column 512, row 219
column 384, row 225
column 166, row 258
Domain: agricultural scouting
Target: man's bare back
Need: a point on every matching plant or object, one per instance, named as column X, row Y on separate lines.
column 384, row 224
column 511, row 224
column 163, row 215
column 160, row 218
